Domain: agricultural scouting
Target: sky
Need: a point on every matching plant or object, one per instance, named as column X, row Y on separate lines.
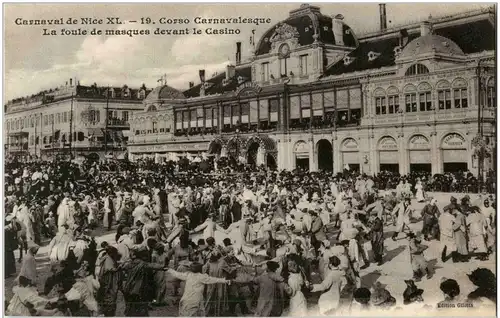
column 34, row 62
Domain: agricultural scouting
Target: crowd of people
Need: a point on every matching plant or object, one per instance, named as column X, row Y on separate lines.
column 235, row 243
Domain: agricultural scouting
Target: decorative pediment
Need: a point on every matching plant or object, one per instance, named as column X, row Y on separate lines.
column 284, row 32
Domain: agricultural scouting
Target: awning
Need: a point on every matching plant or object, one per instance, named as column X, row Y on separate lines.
column 96, row 132
column 18, row 133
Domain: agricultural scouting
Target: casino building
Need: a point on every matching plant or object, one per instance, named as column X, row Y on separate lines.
column 71, row 119
column 314, row 95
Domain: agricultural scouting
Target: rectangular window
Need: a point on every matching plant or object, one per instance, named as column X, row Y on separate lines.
column 185, row 119
column 491, row 97
column 393, row 104
column 65, row 117
column 425, row 101
column 235, row 110
column 411, row 102
column 265, row 72
column 215, row 116
column 245, row 109
column 444, row 99
column 380, row 106
column 303, row 65
column 51, row 120
column 125, row 116
column 45, row 120
column 58, row 118
column 273, row 105
column 284, row 67
column 460, row 97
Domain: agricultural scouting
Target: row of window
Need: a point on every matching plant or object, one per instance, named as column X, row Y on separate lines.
column 265, row 74
column 422, row 102
column 94, row 116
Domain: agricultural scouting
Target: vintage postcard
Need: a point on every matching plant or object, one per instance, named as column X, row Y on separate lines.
column 282, row 159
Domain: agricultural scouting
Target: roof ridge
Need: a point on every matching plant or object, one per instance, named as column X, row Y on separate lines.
column 439, row 19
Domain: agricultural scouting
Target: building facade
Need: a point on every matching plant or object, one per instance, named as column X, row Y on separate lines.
column 313, row 95
column 71, row 119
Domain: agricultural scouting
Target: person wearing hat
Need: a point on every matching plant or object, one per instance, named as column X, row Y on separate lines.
column 28, row 266
column 192, row 302
column 490, row 215
column 453, row 204
column 137, row 284
column 418, row 261
column 10, row 244
column 381, row 298
column 412, row 296
column 460, row 228
column 403, row 211
column 208, row 227
column 25, row 300
column 430, row 214
column 270, row 302
column 332, row 285
column 478, row 227
column 376, row 234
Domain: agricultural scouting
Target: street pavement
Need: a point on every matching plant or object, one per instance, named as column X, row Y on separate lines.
column 396, row 267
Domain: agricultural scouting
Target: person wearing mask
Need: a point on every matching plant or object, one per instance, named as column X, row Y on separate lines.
column 331, row 286
column 430, row 214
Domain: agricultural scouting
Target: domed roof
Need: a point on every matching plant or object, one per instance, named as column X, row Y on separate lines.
column 308, row 21
column 164, row 92
column 431, row 43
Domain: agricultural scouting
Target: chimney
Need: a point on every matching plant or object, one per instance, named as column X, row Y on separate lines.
column 202, row 86
column 425, row 28
column 403, row 37
column 238, row 52
column 230, row 71
column 383, row 17
column 191, row 84
column 70, row 82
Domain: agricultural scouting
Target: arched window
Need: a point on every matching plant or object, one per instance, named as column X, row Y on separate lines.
column 416, row 69
column 152, row 108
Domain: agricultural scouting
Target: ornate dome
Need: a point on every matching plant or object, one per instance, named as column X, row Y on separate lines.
column 164, row 92
column 305, row 22
column 431, row 43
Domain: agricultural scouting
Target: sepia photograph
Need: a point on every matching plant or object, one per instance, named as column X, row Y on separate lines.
column 257, row 159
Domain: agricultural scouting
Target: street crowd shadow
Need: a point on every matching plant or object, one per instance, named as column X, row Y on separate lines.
column 390, row 255
column 369, row 279
column 432, row 266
